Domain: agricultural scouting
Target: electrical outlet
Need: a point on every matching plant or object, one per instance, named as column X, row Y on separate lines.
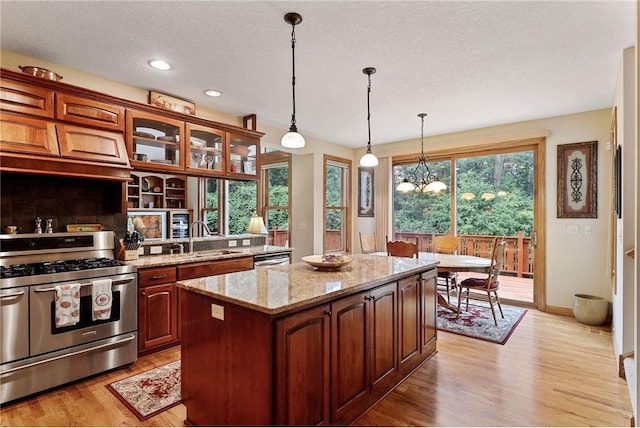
column 156, row 249
column 246, row 242
column 217, row 312
column 233, row 243
column 573, row 229
column 587, row 230
column 141, row 251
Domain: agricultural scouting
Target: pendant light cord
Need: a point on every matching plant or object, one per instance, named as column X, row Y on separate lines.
column 293, row 75
column 369, row 115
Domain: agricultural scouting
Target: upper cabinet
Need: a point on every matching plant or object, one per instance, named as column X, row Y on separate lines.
column 243, row 155
column 88, row 112
column 206, row 147
column 155, row 142
column 24, row 98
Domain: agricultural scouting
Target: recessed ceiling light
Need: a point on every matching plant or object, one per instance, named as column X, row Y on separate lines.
column 158, row 64
column 213, row 92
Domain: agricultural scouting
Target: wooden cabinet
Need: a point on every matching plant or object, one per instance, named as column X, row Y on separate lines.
column 428, row 313
column 155, row 142
column 242, row 156
column 202, row 269
column 25, row 98
column 302, row 377
column 89, row 112
column 29, row 136
column 206, row 148
column 157, row 309
column 92, row 145
column 153, row 190
column 363, row 351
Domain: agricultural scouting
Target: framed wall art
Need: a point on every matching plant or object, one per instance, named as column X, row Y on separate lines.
column 151, row 224
column 617, row 181
column 169, row 102
column 578, row 180
column 365, row 192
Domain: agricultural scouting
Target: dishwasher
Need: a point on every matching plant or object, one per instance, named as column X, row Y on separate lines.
column 272, row 259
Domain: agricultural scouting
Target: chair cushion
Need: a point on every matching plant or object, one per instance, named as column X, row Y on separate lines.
column 478, row 283
column 446, row 274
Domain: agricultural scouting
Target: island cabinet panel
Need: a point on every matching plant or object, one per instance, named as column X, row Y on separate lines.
column 429, row 312
column 227, row 364
column 383, row 332
column 89, row 112
column 409, row 323
column 302, row 373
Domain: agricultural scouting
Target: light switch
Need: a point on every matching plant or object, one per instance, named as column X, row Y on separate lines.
column 573, row 229
column 587, row 230
column 302, row 226
column 246, row 242
column 233, row 243
column 156, row 249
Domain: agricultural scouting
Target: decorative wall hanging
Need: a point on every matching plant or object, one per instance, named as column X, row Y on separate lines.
column 169, row 102
column 578, row 180
column 617, row 180
column 365, row 192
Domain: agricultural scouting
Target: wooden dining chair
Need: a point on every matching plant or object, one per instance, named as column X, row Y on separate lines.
column 490, row 284
column 368, row 243
column 446, row 244
column 402, row 248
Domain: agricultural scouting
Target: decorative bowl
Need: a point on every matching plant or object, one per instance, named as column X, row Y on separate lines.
column 319, row 262
column 42, row 73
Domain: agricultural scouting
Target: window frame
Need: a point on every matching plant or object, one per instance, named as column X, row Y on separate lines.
column 347, row 164
column 275, row 159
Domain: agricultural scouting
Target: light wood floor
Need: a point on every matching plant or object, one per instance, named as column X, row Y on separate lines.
column 553, row 371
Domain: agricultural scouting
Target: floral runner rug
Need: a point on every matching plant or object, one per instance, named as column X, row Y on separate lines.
column 478, row 323
column 151, row 392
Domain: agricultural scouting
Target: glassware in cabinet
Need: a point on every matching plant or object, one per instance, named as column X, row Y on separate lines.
column 205, row 146
column 243, row 155
column 175, row 192
column 155, row 142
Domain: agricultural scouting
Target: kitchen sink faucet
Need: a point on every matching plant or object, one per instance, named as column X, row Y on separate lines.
column 207, row 232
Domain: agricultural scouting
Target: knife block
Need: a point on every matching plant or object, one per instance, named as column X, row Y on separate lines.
column 123, row 254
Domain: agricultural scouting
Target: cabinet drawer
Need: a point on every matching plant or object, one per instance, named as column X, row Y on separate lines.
column 89, row 112
column 216, row 267
column 92, row 145
column 156, row 276
column 26, row 135
column 26, row 99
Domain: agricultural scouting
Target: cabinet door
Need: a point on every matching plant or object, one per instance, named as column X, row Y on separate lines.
column 302, row 374
column 243, row 156
column 23, row 98
column 88, row 144
column 157, row 315
column 383, row 328
column 155, row 142
column 26, row 135
column 205, row 148
column 89, row 112
column 409, row 323
column 349, row 358
column 429, row 313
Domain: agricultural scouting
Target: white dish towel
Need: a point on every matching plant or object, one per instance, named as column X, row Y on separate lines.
column 101, row 299
column 67, row 304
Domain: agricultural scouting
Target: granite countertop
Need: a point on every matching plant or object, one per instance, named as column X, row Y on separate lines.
column 203, row 256
column 278, row 289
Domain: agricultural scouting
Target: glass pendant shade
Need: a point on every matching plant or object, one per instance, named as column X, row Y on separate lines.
column 369, row 159
column 405, row 186
column 292, row 140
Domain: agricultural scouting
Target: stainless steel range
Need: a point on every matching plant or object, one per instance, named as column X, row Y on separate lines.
column 37, row 351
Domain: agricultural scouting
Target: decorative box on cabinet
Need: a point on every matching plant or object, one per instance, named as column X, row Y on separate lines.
column 155, row 142
column 243, row 156
column 206, row 148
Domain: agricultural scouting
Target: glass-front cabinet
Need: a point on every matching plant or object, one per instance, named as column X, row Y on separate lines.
column 206, row 150
column 242, row 155
column 155, row 142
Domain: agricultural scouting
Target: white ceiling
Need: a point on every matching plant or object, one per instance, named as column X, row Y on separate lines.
column 467, row 64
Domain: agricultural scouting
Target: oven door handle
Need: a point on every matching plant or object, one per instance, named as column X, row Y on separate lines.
column 11, row 295
column 83, row 284
column 59, row 357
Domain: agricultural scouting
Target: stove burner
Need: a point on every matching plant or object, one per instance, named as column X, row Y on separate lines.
column 57, row 266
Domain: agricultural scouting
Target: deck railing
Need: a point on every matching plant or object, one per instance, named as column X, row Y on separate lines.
column 519, row 257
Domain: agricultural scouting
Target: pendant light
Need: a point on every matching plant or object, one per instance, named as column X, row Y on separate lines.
column 292, row 139
column 369, row 159
column 421, row 179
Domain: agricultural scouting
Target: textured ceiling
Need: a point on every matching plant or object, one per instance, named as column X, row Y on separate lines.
column 467, row 64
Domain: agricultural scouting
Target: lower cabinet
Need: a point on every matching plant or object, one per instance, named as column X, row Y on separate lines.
column 157, row 309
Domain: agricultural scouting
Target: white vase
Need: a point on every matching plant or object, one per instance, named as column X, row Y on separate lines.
column 590, row 310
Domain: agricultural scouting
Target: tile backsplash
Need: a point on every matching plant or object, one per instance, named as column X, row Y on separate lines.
column 65, row 200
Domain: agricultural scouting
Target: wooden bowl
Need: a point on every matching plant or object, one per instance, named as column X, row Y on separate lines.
column 317, row 262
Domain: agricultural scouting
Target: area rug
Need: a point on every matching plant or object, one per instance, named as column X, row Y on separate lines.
column 478, row 323
column 151, row 392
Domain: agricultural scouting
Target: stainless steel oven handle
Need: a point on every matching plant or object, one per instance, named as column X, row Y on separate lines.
column 59, row 357
column 84, row 284
column 271, row 262
column 11, row 295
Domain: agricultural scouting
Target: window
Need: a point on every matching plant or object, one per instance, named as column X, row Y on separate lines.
column 337, row 201
column 241, row 203
column 276, row 196
column 211, row 205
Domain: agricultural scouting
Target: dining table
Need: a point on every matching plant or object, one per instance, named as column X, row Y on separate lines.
column 452, row 263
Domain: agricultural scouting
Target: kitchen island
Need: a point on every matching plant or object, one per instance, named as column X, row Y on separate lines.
column 291, row 345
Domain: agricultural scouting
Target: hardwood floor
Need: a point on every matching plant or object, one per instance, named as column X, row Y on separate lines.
column 553, row 371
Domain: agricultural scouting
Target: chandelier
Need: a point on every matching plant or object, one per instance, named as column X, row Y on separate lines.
column 421, row 179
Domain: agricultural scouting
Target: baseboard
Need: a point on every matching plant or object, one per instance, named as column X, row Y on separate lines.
column 559, row 310
column 621, row 371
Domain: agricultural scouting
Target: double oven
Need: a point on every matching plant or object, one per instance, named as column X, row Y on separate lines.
column 36, row 354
